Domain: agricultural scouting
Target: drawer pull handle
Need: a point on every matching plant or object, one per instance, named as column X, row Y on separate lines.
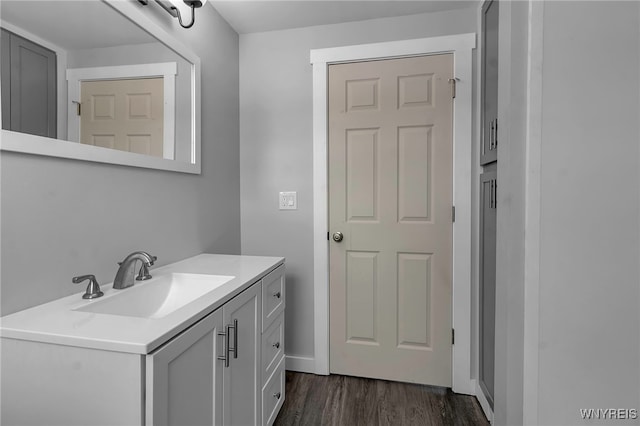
column 277, row 295
column 225, row 348
column 277, row 395
column 276, row 345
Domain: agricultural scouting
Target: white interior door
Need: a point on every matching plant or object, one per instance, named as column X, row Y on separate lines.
column 127, row 115
column 390, row 195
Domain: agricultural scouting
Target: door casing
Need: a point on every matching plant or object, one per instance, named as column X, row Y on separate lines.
column 166, row 70
column 461, row 46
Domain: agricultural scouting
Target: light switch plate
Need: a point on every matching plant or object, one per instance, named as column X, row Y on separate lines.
column 288, row 200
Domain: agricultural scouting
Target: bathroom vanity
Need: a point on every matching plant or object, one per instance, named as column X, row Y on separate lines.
column 215, row 356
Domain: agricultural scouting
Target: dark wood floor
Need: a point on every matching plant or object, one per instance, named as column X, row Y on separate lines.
column 354, row 401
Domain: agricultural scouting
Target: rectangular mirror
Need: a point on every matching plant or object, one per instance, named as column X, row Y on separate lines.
column 97, row 80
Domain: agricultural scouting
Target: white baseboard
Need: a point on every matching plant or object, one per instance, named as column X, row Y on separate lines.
column 462, row 386
column 484, row 404
column 300, row 364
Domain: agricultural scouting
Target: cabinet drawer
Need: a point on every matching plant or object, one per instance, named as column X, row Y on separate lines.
column 272, row 296
column 272, row 347
column 273, row 395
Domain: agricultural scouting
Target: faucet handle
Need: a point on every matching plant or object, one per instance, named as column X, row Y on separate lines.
column 144, row 273
column 93, row 288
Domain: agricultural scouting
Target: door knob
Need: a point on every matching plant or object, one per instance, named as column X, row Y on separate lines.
column 337, row 236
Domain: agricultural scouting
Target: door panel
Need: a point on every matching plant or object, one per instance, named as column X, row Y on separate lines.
column 414, row 288
column 414, row 191
column 390, row 186
column 362, row 173
column 127, row 115
column 488, row 217
column 29, row 95
column 361, row 297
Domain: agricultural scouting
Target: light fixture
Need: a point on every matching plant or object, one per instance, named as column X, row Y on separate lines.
column 173, row 11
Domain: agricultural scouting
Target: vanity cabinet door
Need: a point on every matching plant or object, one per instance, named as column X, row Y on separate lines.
column 242, row 376
column 184, row 377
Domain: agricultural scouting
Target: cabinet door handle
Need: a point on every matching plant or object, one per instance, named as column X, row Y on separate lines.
column 277, row 395
column 277, row 295
column 225, row 349
column 491, row 135
column 492, row 183
column 491, row 194
column 495, row 135
column 276, row 345
column 235, row 337
column 494, row 193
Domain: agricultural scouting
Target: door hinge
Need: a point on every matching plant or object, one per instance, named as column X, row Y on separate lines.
column 453, row 214
column 453, row 81
column 453, row 336
column 78, row 107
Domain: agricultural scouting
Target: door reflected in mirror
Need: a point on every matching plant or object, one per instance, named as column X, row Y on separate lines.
column 123, row 114
column 84, row 72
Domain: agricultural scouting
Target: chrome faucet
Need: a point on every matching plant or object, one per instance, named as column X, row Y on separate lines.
column 126, row 272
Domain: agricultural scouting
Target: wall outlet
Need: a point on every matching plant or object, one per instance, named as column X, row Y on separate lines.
column 288, row 200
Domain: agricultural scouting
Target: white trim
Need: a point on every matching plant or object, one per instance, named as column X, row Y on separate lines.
column 30, row 144
column 477, row 171
column 461, row 46
column 532, row 215
column 40, row 145
column 300, row 364
column 166, row 70
column 320, row 220
column 484, row 404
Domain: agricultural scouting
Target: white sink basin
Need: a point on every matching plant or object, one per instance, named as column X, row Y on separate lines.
column 157, row 297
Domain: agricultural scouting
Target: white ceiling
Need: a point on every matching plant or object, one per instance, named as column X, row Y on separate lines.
column 57, row 21
column 250, row 16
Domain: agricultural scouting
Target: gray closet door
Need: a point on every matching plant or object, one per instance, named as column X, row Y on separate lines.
column 488, row 204
column 489, row 143
column 5, row 78
column 31, row 75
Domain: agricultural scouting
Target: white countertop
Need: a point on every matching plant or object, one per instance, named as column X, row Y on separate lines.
column 57, row 321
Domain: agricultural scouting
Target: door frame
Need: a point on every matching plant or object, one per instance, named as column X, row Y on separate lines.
column 461, row 46
column 166, row 70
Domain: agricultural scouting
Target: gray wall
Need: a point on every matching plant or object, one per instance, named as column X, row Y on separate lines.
column 589, row 349
column 276, row 142
column 61, row 218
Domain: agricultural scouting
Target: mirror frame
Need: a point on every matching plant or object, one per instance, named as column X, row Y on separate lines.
column 40, row 145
